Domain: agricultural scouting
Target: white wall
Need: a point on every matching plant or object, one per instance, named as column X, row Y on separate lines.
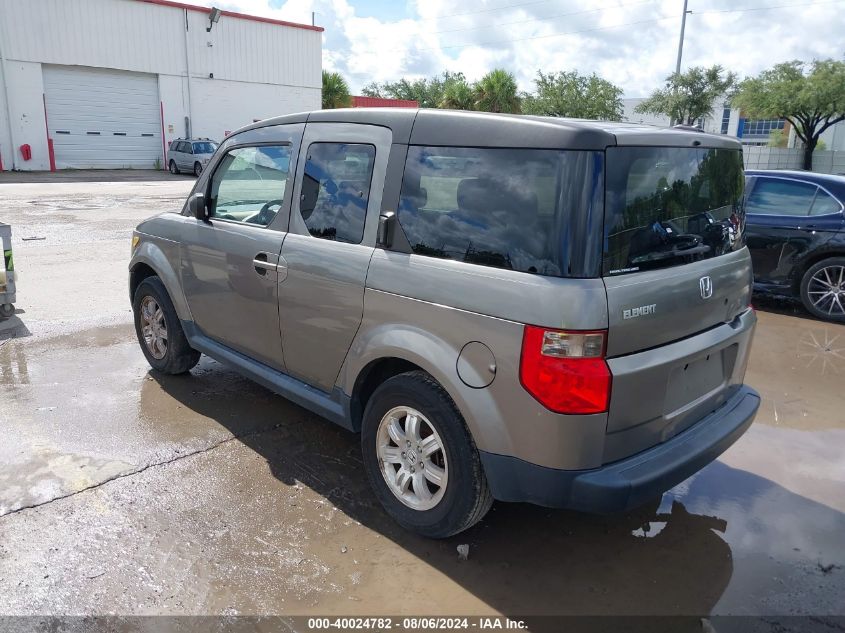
column 260, row 69
column 6, row 153
column 221, row 106
column 25, row 84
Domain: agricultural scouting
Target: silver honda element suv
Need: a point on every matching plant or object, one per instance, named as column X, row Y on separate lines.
column 504, row 307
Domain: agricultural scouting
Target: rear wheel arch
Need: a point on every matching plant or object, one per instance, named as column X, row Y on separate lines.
column 370, row 377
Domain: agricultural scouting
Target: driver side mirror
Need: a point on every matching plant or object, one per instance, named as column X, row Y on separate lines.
column 197, row 207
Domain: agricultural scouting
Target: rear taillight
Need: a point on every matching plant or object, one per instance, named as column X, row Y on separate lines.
column 565, row 371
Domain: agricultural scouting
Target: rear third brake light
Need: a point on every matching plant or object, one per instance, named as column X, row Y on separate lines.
column 565, row 371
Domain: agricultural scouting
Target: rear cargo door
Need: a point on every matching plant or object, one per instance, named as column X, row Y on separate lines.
column 675, row 267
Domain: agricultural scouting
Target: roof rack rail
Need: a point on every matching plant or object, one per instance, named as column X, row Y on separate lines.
column 684, row 126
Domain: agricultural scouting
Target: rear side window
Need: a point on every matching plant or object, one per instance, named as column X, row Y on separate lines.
column 668, row 206
column 825, row 204
column 773, row 196
column 534, row 211
column 336, row 190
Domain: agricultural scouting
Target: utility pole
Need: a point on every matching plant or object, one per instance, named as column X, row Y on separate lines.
column 681, row 39
column 680, row 47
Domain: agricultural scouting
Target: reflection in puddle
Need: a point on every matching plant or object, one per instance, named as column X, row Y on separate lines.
column 822, row 350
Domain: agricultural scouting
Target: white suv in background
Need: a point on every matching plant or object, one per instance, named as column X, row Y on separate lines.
column 190, row 155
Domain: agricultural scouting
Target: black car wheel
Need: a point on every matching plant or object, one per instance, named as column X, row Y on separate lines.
column 823, row 289
column 420, row 458
column 173, row 168
column 197, row 169
column 159, row 331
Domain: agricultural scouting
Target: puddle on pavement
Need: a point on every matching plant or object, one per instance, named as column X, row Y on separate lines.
column 282, row 520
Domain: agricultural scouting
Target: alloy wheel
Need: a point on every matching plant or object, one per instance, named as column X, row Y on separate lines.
column 412, row 458
column 153, row 327
column 827, row 290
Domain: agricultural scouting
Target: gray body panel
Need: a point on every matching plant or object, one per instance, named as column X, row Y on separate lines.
column 503, row 418
column 321, row 298
column 233, row 301
column 332, row 310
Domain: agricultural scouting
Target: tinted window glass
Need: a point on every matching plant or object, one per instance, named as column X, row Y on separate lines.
column 772, row 196
column 249, row 184
column 336, row 190
column 825, row 203
column 204, row 148
column 525, row 210
column 671, row 206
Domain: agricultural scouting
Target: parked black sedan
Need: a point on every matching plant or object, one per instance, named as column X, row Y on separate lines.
column 795, row 230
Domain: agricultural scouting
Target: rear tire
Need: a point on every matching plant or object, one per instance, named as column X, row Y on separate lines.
column 439, row 438
column 159, row 331
column 6, row 310
column 823, row 289
column 173, row 168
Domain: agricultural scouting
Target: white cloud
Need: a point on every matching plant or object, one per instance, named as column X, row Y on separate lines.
column 632, row 43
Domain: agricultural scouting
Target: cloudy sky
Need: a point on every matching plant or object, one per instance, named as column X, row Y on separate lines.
column 633, row 43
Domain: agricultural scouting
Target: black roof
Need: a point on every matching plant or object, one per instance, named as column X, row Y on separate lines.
column 834, row 184
column 483, row 129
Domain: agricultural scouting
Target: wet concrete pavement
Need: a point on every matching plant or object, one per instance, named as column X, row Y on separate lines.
column 132, row 493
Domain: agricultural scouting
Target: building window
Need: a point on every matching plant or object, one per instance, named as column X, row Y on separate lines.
column 760, row 127
column 726, row 118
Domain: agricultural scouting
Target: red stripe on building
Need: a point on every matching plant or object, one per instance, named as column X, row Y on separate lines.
column 233, row 14
column 50, row 152
column 163, row 143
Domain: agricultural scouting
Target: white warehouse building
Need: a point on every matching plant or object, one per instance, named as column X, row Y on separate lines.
column 110, row 83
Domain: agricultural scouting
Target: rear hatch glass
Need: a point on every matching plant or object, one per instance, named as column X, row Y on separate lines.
column 674, row 220
column 667, row 206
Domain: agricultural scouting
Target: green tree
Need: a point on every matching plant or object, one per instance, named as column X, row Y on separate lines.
column 335, row 91
column 497, row 92
column 427, row 91
column 569, row 94
column 458, row 95
column 689, row 96
column 372, row 89
column 811, row 96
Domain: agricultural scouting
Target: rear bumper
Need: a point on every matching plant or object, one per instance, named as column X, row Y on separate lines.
column 629, row 482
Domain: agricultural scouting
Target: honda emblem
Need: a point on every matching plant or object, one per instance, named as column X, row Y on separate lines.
column 705, row 284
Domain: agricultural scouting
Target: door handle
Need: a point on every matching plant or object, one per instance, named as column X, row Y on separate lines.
column 262, row 265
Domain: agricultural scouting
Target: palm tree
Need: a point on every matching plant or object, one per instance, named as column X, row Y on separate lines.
column 458, row 95
column 335, row 91
column 497, row 92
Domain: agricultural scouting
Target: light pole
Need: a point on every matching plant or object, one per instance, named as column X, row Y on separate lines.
column 681, row 39
column 680, row 49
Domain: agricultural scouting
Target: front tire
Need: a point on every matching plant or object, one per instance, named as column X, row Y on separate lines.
column 173, row 168
column 823, row 289
column 159, row 331
column 420, row 458
column 197, row 169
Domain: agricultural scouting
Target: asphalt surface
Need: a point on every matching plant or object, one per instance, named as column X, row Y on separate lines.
column 123, row 491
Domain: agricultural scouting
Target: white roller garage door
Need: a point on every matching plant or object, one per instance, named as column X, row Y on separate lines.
column 102, row 118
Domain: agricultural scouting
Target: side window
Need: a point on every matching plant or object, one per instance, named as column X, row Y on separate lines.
column 336, row 190
column 249, row 184
column 772, row 196
column 825, row 204
column 186, row 147
column 493, row 207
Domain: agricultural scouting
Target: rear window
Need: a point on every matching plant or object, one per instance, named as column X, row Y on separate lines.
column 671, row 206
column 534, row 211
column 205, row 147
